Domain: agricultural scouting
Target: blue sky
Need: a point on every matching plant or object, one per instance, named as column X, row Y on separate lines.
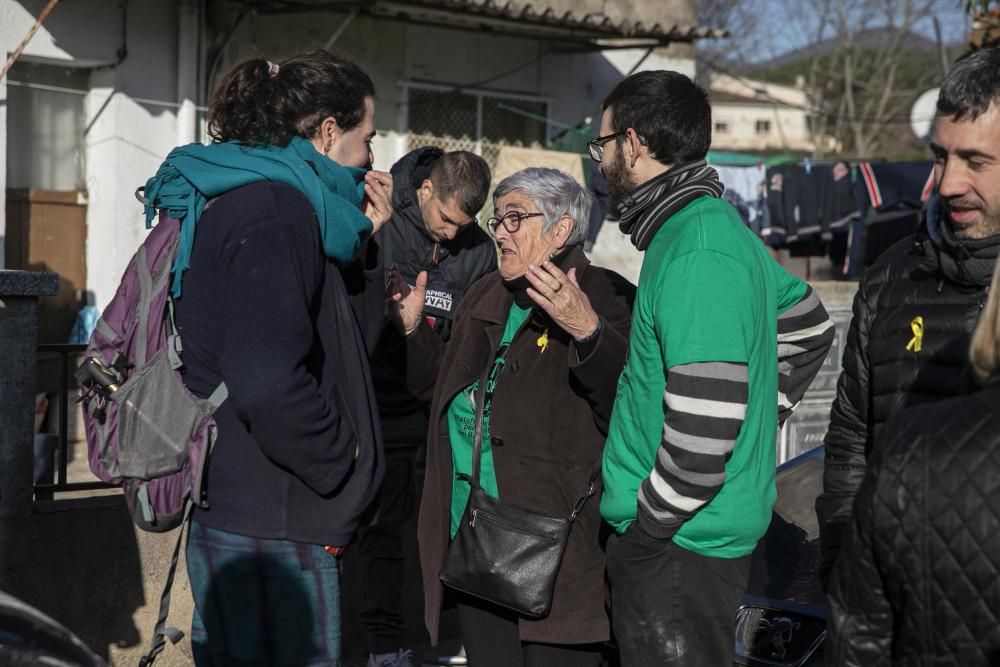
column 787, row 35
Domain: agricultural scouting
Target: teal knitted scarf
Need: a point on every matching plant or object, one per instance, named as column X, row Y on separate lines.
column 193, row 174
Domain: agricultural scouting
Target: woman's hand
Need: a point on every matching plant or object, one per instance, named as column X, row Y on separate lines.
column 406, row 306
column 377, row 205
column 559, row 295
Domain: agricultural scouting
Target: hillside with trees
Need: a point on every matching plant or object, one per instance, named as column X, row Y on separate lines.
column 864, row 64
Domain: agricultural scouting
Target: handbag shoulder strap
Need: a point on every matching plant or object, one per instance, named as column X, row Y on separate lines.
column 595, row 472
column 477, row 438
column 484, row 394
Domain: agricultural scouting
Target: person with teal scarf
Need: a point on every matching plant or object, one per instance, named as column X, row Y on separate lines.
column 273, row 215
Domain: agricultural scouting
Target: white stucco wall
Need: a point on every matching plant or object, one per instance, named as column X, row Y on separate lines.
column 126, row 139
column 380, row 53
column 625, row 59
column 127, row 142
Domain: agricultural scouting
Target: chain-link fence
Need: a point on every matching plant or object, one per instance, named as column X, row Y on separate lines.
column 480, row 123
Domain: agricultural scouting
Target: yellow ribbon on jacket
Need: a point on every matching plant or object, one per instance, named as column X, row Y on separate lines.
column 917, row 342
column 543, row 340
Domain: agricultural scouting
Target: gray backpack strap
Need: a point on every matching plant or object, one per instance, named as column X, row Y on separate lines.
column 105, row 330
column 145, row 505
column 147, row 290
column 174, row 346
column 219, row 396
column 145, row 297
column 161, row 632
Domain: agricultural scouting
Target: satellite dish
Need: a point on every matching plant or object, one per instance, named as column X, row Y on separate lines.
column 922, row 113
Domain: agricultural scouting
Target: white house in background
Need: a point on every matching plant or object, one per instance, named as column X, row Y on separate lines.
column 100, row 94
column 106, row 88
column 756, row 116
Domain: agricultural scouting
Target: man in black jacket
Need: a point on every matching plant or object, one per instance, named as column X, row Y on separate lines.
column 916, row 307
column 436, row 197
column 917, row 581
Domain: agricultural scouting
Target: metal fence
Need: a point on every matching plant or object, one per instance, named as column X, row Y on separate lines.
column 489, row 150
column 67, row 359
column 475, row 121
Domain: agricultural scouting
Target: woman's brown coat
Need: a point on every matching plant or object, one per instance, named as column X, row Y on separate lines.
column 547, row 429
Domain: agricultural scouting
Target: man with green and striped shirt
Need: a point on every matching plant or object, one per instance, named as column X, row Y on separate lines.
column 724, row 343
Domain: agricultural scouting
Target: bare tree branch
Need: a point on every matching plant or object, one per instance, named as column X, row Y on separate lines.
column 853, row 67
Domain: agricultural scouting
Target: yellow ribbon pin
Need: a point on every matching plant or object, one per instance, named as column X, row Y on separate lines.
column 543, row 340
column 917, row 342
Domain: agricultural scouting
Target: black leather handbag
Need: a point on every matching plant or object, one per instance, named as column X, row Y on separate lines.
column 504, row 554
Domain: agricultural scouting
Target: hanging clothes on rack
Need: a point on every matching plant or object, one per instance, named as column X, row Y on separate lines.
column 743, row 191
column 808, row 205
column 892, row 200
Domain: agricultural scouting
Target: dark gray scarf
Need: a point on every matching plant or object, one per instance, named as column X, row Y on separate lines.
column 964, row 261
column 644, row 211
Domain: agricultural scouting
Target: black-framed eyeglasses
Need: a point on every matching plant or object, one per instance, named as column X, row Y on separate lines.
column 511, row 221
column 596, row 146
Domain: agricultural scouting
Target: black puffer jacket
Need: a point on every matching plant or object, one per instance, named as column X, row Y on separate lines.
column 931, row 276
column 918, row 580
column 452, row 267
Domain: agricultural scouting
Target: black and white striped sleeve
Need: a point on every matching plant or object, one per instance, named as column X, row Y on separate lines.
column 705, row 405
column 805, row 334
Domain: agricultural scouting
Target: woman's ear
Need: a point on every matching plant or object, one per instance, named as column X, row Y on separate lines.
column 563, row 229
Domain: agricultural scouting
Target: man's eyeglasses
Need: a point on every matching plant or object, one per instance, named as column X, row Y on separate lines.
column 596, row 146
column 511, row 221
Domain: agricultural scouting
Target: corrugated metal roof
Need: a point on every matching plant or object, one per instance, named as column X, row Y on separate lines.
column 526, row 17
column 592, row 30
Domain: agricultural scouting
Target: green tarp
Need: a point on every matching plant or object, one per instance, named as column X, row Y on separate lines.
column 730, row 159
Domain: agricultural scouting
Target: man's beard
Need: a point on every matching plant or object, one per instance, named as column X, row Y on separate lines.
column 988, row 226
column 619, row 180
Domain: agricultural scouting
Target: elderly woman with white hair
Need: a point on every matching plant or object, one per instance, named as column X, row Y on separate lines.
column 548, row 334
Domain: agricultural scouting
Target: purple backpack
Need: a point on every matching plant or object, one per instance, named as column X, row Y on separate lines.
column 145, row 430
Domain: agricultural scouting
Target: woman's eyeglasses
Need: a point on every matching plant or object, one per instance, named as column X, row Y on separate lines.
column 511, row 221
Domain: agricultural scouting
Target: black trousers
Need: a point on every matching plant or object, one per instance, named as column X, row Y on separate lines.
column 381, row 552
column 490, row 636
column 671, row 606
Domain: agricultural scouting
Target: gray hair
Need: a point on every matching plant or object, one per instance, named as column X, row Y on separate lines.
column 556, row 194
column 971, row 86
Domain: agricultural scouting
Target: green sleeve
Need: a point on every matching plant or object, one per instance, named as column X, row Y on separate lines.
column 704, row 310
column 790, row 289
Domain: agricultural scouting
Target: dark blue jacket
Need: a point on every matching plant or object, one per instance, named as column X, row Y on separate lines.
column 299, row 454
column 452, row 267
